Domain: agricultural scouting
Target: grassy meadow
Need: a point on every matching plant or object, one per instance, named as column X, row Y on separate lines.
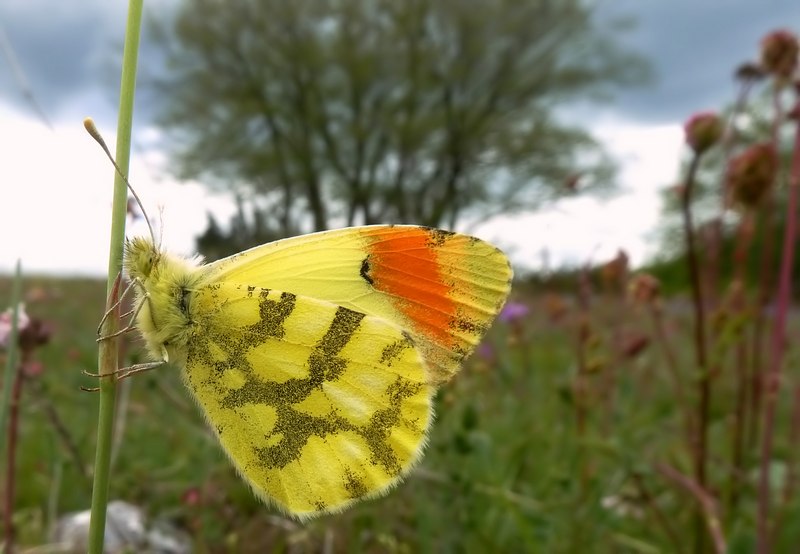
column 564, row 433
column 601, row 414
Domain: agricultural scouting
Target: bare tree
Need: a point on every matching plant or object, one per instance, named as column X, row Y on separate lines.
column 366, row 111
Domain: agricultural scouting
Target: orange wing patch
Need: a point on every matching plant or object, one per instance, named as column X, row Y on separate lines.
column 406, row 267
column 447, row 286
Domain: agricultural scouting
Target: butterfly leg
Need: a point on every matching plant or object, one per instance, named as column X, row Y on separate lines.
column 110, row 310
column 131, row 322
column 123, row 372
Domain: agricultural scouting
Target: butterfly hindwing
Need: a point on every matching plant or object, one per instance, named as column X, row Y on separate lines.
column 316, row 404
column 444, row 288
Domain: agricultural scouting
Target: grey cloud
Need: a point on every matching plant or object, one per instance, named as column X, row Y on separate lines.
column 695, row 47
column 68, row 51
column 61, row 47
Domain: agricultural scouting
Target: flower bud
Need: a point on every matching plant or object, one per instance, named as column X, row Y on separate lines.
column 632, row 344
column 779, row 51
column 703, row 130
column 750, row 71
column 615, row 272
column 644, row 289
column 555, row 307
column 751, row 174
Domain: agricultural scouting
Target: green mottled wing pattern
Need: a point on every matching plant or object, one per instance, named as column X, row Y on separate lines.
column 317, row 405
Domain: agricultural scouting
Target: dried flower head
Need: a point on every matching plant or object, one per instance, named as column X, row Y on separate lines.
column 572, row 182
column 632, row 344
column 35, row 334
column 615, row 272
column 779, row 51
column 703, row 130
column 794, row 113
column 643, row 288
column 751, row 174
column 596, row 364
column 750, row 71
column 555, row 307
column 735, row 298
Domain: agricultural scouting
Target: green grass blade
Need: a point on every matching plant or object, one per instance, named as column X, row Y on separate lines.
column 107, row 358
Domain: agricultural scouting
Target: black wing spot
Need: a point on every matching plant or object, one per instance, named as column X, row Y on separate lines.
column 437, row 237
column 365, row 271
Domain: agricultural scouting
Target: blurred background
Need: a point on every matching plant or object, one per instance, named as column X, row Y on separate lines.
column 630, row 157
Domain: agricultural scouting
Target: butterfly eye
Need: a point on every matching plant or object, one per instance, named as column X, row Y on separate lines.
column 184, row 300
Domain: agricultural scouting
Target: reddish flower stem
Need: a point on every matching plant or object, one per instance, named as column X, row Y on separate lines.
column 11, row 452
column 706, row 502
column 767, row 284
column 728, row 140
column 740, row 414
column 704, row 381
column 778, row 346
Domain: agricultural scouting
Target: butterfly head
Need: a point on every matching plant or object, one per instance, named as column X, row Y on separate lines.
column 141, row 256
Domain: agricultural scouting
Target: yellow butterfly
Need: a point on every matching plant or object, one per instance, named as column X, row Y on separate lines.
column 315, row 358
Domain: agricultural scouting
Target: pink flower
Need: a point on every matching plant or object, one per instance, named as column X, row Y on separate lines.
column 191, row 497
column 5, row 324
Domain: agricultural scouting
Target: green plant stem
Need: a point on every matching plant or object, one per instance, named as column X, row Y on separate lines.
column 662, row 519
column 107, row 357
column 778, row 347
column 672, row 367
column 704, row 381
column 13, row 344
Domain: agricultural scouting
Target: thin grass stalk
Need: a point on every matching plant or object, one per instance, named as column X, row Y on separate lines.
column 662, row 338
column 108, row 353
column 652, row 504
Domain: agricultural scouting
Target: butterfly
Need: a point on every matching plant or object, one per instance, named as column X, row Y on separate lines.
column 315, row 358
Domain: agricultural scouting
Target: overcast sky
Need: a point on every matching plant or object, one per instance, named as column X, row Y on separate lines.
column 55, row 184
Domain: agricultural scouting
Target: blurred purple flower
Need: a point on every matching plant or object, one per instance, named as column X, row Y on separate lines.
column 486, row 351
column 514, row 311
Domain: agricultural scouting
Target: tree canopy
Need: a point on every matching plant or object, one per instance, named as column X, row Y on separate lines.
column 328, row 112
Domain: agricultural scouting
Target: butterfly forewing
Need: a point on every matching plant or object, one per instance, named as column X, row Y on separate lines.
column 444, row 288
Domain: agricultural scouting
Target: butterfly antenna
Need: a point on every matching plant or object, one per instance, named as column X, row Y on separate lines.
column 88, row 124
